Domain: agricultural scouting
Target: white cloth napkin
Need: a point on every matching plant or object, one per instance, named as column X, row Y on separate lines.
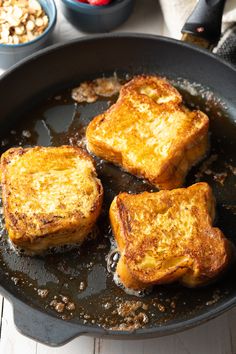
column 176, row 12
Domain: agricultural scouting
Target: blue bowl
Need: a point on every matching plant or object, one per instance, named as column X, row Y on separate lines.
column 10, row 54
column 96, row 19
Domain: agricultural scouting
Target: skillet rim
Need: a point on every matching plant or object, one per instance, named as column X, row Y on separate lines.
column 137, row 35
column 93, row 330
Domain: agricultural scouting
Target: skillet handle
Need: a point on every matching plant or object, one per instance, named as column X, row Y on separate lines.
column 44, row 328
column 203, row 27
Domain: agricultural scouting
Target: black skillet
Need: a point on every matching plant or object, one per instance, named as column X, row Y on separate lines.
column 36, row 109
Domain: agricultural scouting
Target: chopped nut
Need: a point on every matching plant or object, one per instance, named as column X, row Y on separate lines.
column 45, row 20
column 21, row 21
column 19, row 30
column 17, row 12
column 15, row 39
column 30, row 25
column 30, row 36
column 34, row 5
column 5, row 35
column 39, row 22
column 24, row 18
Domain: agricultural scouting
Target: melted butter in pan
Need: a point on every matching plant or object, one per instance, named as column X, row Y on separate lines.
column 77, row 285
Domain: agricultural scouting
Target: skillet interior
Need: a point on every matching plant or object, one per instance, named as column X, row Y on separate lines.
column 57, row 121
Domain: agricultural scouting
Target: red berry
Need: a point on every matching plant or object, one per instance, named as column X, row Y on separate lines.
column 83, row 1
column 99, row 2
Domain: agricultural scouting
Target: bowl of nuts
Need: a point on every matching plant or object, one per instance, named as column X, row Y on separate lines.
column 97, row 15
column 25, row 27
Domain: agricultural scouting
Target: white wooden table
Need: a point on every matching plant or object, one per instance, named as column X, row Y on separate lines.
column 215, row 337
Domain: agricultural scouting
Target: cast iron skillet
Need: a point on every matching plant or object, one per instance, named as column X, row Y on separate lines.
column 28, row 103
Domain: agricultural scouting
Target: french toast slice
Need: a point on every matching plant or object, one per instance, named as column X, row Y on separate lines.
column 150, row 133
column 168, row 236
column 51, row 196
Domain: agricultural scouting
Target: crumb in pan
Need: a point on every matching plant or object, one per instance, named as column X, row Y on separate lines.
column 89, row 91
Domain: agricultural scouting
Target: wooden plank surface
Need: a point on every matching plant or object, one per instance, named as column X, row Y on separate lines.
column 213, row 337
column 231, row 325
column 12, row 342
column 82, row 345
column 1, row 313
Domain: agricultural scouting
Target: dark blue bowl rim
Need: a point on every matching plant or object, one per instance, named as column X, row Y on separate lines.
column 94, row 8
column 52, row 23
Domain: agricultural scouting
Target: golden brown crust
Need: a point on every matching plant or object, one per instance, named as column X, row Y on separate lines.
column 51, row 196
column 150, row 133
column 168, row 236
